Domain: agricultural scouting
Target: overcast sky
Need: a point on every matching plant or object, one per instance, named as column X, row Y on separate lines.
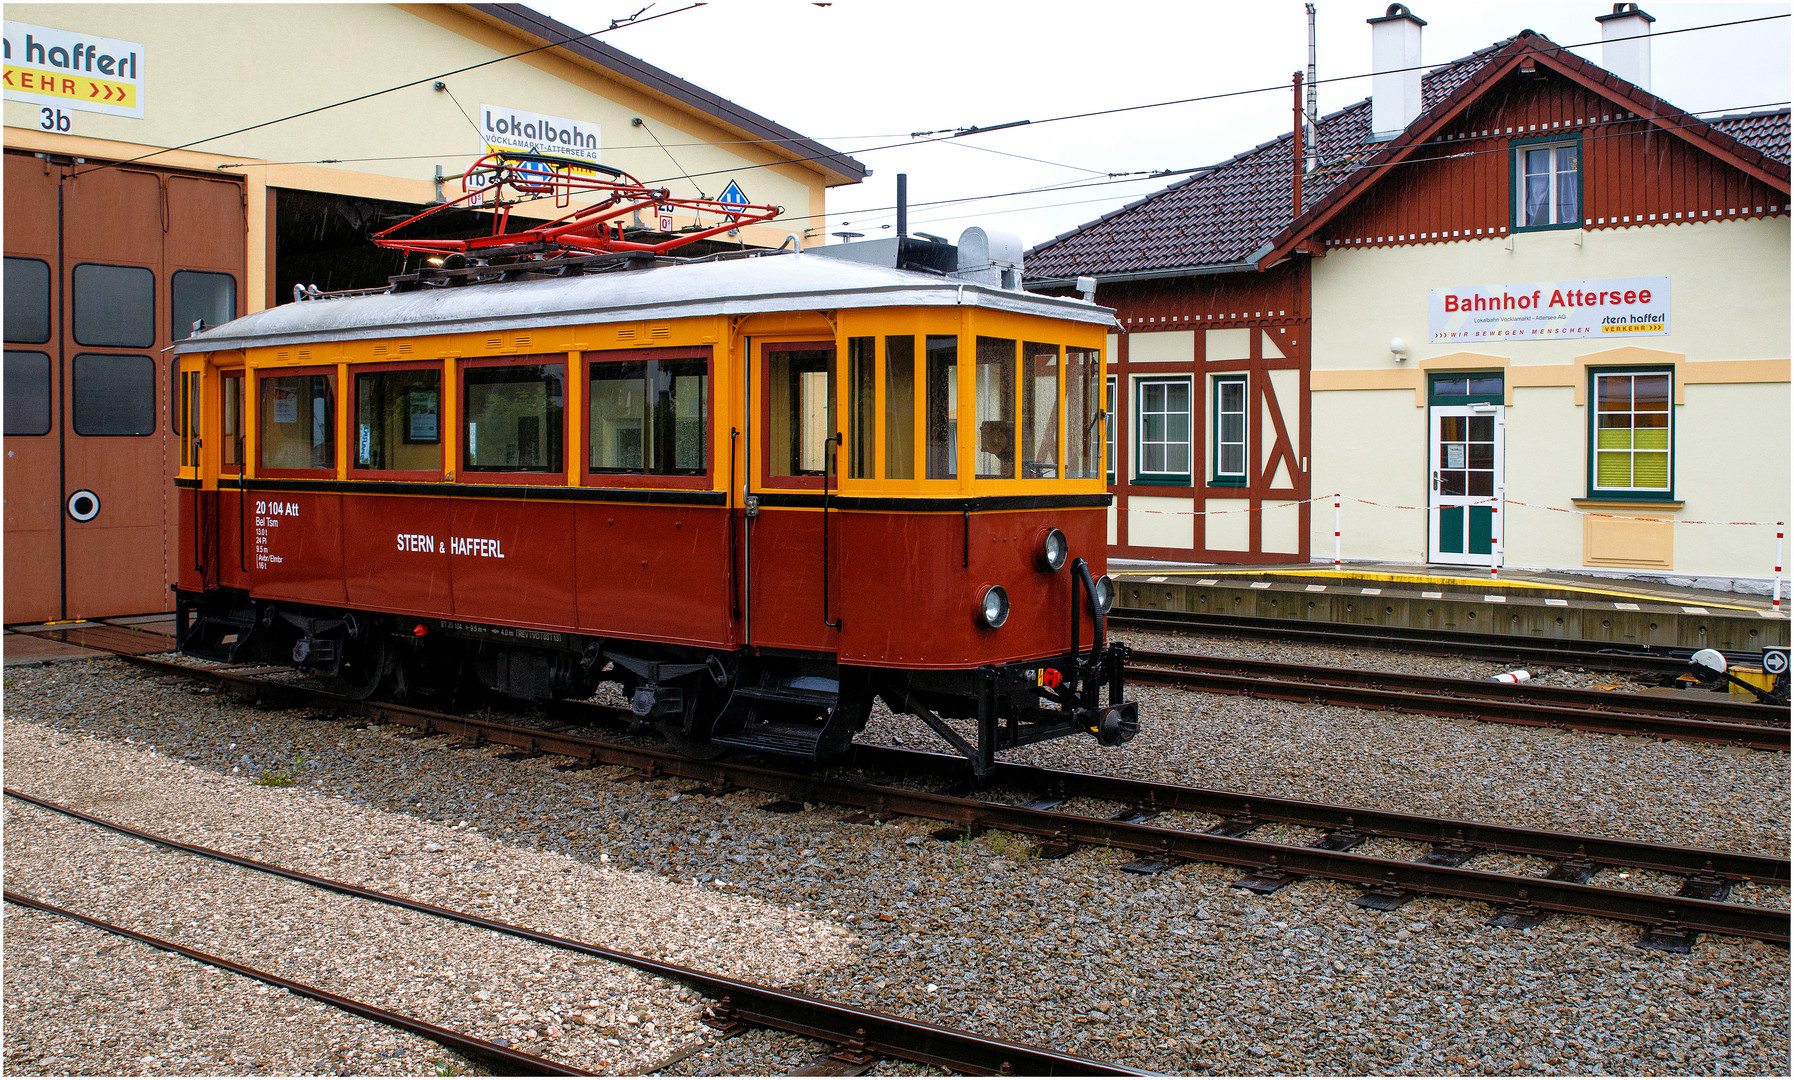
column 859, row 75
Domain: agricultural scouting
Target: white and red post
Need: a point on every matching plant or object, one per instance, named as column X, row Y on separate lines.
column 1778, row 557
column 1775, row 602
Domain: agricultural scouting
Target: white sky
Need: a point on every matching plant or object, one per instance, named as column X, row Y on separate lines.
column 856, row 75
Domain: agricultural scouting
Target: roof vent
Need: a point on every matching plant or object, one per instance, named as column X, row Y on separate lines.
column 1395, row 97
column 1626, row 44
column 990, row 258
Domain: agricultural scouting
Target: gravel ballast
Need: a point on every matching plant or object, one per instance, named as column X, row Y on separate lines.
column 1176, row 972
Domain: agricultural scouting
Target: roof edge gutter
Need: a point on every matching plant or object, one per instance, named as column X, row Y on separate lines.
column 1251, row 263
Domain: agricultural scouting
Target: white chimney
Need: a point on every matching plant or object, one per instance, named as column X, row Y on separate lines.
column 1626, row 44
column 1395, row 98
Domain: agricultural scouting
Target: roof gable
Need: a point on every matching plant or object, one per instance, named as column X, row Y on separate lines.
column 1237, row 214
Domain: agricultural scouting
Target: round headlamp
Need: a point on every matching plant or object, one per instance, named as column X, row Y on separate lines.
column 1053, row 550
column 993, row 607
column 1104, row 596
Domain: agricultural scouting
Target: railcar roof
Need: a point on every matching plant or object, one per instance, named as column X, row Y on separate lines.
column 769, row 283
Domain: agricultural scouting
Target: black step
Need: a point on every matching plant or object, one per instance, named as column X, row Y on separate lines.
column 800, row 739
column 787, row 695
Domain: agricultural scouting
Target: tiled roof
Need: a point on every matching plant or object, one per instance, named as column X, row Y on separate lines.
column 1222, row 214
column 1231, row 212
column 1764, row 132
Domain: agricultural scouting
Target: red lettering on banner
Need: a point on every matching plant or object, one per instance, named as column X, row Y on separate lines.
column 1644, row 296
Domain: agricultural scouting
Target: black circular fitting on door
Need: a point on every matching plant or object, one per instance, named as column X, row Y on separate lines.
column 84, row 505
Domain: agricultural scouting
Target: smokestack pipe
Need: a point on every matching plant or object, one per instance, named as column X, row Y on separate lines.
column 1313, row 110
column 902, row 204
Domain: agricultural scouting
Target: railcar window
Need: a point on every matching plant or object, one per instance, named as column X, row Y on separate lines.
column 296, row 422
column 801, row 403
column 27, row 300
column 1083, row 413
column 862, row 380
column 900, row 407
column 230, row 422
column 27, row 392
column 943, row 406
column 514, row 418
column 996, row 408
column 115, row 305
column 398, row 416
column 200, row 294
column 648, row 416
column 114, row 395
column 1040, row 411
column 189, row 412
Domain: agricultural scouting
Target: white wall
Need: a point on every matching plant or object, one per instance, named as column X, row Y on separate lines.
column 1730, row 310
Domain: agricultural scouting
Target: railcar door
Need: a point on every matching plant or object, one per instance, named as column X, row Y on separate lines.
column 110, row 265
column 794, row 453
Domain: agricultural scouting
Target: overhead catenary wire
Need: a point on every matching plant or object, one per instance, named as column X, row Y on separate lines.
column 915, row 137
column 632, row 20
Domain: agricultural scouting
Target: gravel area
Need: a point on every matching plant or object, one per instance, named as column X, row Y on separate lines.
column 1176, row 972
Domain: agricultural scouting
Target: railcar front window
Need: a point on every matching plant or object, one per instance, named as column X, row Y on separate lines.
column 801, row 405
column 943, row 406
column 862, row 380
column 1083, row 406
column 996, row 409
column 647, row 416
column 1040, row 411
column 513, row 418
column 398, row 416
column 296, row 422
column 900, row 407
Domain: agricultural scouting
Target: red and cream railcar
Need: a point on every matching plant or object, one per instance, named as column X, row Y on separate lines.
column 756, row 493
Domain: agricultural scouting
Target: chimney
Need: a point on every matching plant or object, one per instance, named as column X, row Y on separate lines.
column 1626, row 44
column 1395, row 98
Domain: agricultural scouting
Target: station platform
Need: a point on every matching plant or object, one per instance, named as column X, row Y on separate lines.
column 1521, row 603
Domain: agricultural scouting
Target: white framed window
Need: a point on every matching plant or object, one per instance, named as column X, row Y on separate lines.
column 1162, row 426
column 1109, row 427
column 1632, row 445
column 1230, row 429
column 1547, row 185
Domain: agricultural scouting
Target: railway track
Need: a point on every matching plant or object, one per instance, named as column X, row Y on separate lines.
column 1687, row 719
column 1589, row 655
column 857, row 1035
column 1670, row 921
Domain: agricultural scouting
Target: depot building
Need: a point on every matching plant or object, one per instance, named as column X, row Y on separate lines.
column 116, row 244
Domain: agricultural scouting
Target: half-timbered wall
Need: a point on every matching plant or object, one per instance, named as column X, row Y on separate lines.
column 1461, row 185
column 1197, row 330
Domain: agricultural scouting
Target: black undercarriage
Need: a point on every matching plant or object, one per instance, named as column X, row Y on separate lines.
column 704, row 702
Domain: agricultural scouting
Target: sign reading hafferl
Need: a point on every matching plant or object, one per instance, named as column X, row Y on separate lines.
column 1533, row 311
column 74, row 71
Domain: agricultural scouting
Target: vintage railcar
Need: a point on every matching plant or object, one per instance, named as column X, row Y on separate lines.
column 756, row 493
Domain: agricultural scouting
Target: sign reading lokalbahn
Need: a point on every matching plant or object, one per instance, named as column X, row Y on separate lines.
column 74, row 71
column 1638, row 307
column 503, row 128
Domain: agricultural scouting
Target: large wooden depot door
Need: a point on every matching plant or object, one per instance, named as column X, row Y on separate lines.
column 106, row 266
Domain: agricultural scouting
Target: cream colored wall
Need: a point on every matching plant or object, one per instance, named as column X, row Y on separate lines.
column 216, row 68
column 1730, row 345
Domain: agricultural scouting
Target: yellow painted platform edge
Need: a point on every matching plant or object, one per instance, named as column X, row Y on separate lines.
column 1422, row 579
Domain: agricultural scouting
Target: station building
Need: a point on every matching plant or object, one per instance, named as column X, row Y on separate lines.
column 1515, row 309
column 170, row 163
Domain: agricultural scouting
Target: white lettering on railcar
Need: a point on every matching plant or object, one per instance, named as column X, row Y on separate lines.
column 418, row 542
column 267, row 516
column 483, row 547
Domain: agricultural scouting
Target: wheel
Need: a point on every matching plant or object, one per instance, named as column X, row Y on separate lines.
column 692, row 739
column 364, row 666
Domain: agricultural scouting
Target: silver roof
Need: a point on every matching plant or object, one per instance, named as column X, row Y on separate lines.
column 780, row 282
